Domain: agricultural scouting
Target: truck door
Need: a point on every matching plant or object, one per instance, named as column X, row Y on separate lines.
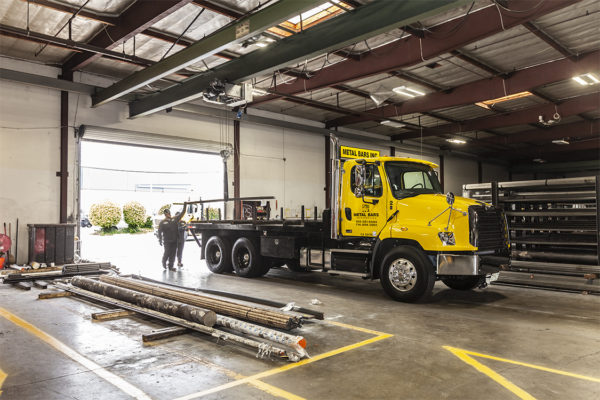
column 363, row 203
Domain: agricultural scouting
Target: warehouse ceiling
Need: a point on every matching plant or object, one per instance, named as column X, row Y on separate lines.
column 511, row 80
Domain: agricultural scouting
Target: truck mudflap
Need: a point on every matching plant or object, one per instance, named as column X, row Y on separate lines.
column 470, row 264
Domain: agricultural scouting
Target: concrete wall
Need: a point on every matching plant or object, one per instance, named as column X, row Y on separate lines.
column 282, row 162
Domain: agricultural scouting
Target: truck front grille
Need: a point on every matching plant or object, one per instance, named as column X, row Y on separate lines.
column 487, row 228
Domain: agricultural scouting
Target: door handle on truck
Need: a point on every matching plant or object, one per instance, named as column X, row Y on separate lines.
column 348, row 212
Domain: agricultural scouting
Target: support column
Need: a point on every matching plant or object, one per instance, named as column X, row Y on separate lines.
column 442, row 172
column 64, row 148
column 327, row 172
column 479, row 172
column 237, row 210
column 392, row 151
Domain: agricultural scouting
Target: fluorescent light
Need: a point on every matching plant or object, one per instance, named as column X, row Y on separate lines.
column 592, row 78
column 539, row 160
column 393, row 124
column 586, row 79
column 406, row 91
column 416, row 92
column 487, row 103
column 560, row 141
column 295, row 20
column 259, row 92
column 456, row 141
column 261, row 44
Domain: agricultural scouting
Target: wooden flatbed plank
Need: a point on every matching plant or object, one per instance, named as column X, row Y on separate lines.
column 40, row 284
column 22, row 285
column 164, row 333
column 54, row 294
column 111, row 314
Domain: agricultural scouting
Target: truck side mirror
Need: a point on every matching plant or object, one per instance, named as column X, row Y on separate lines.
column 450, row 198
column 359, row 180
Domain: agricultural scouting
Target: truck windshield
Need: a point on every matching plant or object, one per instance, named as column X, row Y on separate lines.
column 411, row 179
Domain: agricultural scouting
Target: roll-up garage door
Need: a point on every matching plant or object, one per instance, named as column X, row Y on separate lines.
column 146, row 139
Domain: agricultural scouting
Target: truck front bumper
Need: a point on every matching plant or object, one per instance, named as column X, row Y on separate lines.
column 470, row 264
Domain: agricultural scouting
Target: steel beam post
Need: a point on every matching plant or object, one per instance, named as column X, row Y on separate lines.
column 64, row 149
column 231, row 34
column 237, row 210
column 364, row 22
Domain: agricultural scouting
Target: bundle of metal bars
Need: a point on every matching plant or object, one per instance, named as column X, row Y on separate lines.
column 85, row 267
column 263, row 349
column 554, row 230
column 262, row 316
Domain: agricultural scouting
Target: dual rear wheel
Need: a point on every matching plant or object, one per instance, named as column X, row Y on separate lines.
column 243, row 257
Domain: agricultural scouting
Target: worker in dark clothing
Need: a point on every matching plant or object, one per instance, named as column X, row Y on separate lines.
column 168, row 232
column 182, row 227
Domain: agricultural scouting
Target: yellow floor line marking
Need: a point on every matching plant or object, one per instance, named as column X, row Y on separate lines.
column 356, row 328
column 464, row 355
column 2, row 378
column 265, row 387
column 285, row 368
column 506, row 360
column 490, row 373
column 75, row 356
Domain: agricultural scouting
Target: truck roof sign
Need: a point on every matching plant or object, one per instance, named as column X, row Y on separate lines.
column 355, row 152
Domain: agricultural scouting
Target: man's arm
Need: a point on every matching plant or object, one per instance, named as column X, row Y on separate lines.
column 182, row 213
column 160, row 233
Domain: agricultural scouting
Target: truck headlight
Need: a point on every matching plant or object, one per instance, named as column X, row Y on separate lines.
column 447, row 238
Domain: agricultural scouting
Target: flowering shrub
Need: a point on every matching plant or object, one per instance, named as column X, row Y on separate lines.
column 161, row 210
column 105, row 215
column 134, row 214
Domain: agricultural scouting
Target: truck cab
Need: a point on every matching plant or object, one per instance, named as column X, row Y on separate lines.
column 414, row 233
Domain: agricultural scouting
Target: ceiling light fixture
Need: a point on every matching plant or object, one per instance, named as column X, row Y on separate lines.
column 539, row 160
column 586, row 79
column 456, row 141
column 406, row 91
column 560, row 141
column 392, row 123
column 487, row 103
column 259, row 92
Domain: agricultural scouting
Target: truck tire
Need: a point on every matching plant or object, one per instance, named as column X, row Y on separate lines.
column 463, row 282
column 246, row 259
column 218, row 255
column 406, row 275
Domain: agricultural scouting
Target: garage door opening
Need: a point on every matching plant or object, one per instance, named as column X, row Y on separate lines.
column 151, row 176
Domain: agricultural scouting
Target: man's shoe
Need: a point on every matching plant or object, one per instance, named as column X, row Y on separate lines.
column 173, row 268
column 179, row 264
column 164, row 267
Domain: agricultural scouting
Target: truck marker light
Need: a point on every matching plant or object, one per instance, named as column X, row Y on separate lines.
column 403, row 229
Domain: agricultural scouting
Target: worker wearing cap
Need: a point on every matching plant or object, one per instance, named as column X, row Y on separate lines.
column 168, row 233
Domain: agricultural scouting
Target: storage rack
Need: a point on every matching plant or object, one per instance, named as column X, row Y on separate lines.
column 553, row 226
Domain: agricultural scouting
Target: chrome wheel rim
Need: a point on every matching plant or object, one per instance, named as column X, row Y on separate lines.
column 402, row 275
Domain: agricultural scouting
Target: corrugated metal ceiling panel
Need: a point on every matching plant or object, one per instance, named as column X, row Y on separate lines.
column 567, row 89
column 460, row 113
column 451, row 72
column 103, row 6
column 25, row 49
column 512, row 49
column 576, row 27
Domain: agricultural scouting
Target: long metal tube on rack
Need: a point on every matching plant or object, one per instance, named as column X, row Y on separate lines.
column 263, row 349
column 170, row 307
column 263, row 316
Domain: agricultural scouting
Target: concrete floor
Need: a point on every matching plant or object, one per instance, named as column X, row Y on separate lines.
column 559, row 331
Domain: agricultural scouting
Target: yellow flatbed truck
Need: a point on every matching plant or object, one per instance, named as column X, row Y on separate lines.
column 387, row 220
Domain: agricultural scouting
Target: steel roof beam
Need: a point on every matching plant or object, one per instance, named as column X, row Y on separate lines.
column 540, row 33
column 366, row 21
column 137, row 18
column 209, row 5
column 584, row 129
column 406, row 52
column 485, row 89
column 526, row 116
column 234, row 33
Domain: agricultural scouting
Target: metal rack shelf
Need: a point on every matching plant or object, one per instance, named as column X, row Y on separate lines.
column 553, row 228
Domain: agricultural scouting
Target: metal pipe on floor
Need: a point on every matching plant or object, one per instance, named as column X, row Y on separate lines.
column 173, row 308
column 263, row 349
column 263, row 316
